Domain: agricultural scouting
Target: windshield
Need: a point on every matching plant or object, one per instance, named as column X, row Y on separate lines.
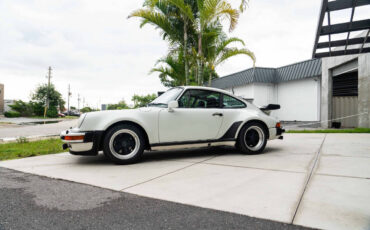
column 164, row 99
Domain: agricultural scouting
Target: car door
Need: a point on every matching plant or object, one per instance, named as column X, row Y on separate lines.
column 198, row 118
column 233, row 114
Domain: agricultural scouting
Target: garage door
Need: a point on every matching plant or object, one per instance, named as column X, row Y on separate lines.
column 345, row 98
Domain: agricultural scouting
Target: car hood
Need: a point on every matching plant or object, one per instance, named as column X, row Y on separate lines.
column 98, row 120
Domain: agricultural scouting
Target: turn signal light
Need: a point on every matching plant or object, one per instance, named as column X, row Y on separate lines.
column 73, row 138
column 278, row 125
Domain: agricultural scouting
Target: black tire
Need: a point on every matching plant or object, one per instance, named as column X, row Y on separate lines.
column 124, row 144
column 252, row 138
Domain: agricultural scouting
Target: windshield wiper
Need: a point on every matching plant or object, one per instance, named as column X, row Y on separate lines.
column 156, row 104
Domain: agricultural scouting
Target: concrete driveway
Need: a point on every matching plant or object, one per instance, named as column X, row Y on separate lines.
column 314, row 180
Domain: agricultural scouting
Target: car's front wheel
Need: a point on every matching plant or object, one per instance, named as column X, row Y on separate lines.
column 124, row 144
column 252, row 138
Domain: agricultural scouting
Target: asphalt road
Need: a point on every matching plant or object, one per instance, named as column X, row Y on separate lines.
column 33, row 202
column 33, row 130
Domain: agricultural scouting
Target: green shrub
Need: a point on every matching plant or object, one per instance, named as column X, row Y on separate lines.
column 38, row 108
column 23, row 108
column 86, row 110
column 12, row 114
column 52, row 112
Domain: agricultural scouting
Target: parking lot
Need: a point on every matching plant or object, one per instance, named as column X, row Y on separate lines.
column 313, row 180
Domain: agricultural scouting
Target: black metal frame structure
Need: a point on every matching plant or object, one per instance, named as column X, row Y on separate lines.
column 347, row 27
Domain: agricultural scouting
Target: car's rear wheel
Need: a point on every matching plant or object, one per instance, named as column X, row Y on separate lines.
column 124, row 144
column 252, row 138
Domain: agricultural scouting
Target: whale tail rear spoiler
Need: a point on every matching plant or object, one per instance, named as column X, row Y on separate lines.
column 270, row 107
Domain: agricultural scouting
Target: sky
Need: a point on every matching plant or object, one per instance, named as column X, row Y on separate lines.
column 105, row 57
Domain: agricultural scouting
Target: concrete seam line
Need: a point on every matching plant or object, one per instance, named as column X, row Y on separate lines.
column 177, row 170
column 308, row 178
column 353, row 177
column 248, row 167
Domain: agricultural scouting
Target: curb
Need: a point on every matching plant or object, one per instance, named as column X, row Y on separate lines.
column 29, row 138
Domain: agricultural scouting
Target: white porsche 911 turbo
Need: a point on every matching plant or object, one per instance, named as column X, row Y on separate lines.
column 182, row 117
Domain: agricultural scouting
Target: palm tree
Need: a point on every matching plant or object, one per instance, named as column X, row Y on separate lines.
column 195, row 36
column 171, row 73
column 170, row 16
column 220, row 52
column 210, row 12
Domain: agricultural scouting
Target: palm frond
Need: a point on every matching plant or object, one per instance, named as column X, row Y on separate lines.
column 184, row 8
column 228, row 53
column 160, row 21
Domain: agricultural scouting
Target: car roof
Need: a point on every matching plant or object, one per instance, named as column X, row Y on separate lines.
column 208, row 88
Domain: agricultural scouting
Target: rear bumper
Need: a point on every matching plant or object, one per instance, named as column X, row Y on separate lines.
column 276, row 133
column 279, row 131
column 89, row 145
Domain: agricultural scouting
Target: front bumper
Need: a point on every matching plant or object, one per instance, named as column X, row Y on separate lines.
column 82, row 143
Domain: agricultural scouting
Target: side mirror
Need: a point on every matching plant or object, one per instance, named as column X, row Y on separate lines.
column 172, row 105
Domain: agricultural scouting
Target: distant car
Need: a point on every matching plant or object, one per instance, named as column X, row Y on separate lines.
column 72, row 113
column 61, row 115
column 182, row 117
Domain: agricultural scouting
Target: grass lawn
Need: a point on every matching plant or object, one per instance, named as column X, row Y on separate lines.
column 5, row 123
column 10, row 151
column 356, row 130
column 69, row 117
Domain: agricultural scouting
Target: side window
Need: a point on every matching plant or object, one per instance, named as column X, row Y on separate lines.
column 230, row 102
column 200, row 99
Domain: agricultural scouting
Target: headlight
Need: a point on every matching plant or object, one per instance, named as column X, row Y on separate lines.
column 81, row 120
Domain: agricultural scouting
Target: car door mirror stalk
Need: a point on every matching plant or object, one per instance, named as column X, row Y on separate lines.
column 172, row 105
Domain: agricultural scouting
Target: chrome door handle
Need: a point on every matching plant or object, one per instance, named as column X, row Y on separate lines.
column 217, row 114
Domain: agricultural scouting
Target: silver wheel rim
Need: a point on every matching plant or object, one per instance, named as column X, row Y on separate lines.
column 113, row 141
column 254, row 138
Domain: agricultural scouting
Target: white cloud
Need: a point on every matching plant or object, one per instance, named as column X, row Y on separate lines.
column 105, row 57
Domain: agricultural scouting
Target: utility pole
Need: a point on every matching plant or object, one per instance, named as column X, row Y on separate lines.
column 69, row 94
column 48, row 92
column 78, row 100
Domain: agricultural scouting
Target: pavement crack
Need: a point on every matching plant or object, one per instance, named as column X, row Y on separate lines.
column 174, row 171
column 308, row 178
column 249, row 167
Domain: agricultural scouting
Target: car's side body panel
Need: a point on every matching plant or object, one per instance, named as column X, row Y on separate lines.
column 189, row 125
column 147, row 118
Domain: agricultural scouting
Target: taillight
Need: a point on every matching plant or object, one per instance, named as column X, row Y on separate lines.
column 278, row 125
column 74, row 138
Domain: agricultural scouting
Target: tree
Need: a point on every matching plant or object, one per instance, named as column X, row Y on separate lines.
column 210, row 12
column 121, row 105
column 23, row 108
column 171, row 70
column 55, row 98
column 86, row 109
column 192, row 28
column 220, row 51
column 142, row 101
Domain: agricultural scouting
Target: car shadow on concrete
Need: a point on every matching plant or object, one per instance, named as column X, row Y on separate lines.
column 179, row 155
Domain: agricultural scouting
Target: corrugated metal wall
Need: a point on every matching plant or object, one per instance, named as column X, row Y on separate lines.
column 346, row 106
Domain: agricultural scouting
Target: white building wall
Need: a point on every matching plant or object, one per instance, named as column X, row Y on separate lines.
column 244, row 91
column 299, row 100
column 264, row 94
